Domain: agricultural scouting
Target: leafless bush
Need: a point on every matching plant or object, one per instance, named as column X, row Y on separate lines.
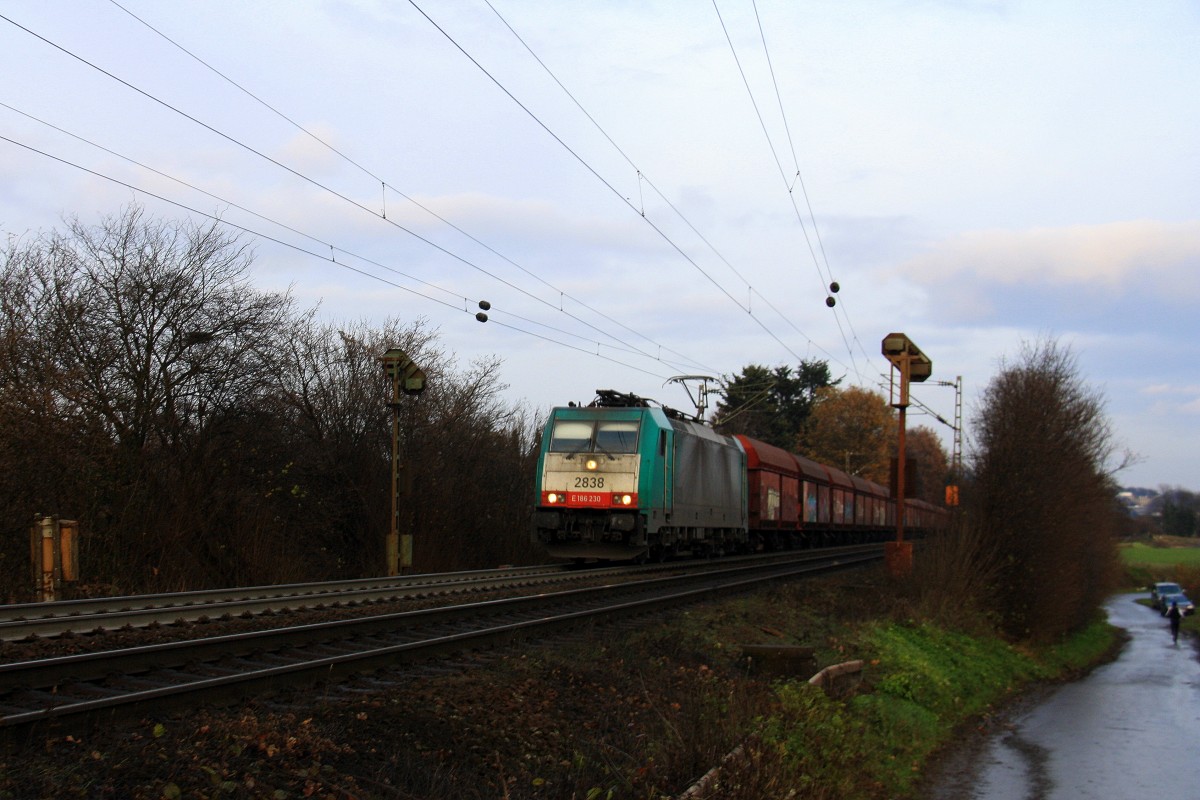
column 1043, row 493
column 953, row 575
column 206, row 433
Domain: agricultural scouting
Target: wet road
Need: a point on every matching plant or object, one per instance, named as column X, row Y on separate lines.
column 1131, row 729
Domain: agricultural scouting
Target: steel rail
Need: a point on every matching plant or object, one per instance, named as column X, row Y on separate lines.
column 24, row 612
column 49, row 685
column 51, row 619
column 54, row 619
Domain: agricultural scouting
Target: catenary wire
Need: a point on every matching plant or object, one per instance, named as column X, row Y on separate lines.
column 321, row 186
column 410, row 199
column 800, row 179
column 783, row 176
column 412, row 233
column 330, row 258
column 599, row 344
column 642, row 177
column 661, row 233
column 770, row 143
column 325, row 244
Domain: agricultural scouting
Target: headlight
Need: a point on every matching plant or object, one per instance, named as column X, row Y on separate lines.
column 552, row 498
column 591, row 464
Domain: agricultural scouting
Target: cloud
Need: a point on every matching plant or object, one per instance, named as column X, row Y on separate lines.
column 310, row 151
column 1172, row 398
column 1162, row 258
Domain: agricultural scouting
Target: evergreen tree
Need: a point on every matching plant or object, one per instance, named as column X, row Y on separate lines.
column 1179, row 513
column 771, row 405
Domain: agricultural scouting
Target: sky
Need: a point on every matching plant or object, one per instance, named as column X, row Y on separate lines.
column 644, row 190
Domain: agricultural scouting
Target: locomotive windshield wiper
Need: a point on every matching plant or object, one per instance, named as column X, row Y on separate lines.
column 602, row 449
column 595, row 447
column 572, row 453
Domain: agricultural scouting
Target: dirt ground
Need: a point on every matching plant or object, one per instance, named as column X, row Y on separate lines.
column 638, row 710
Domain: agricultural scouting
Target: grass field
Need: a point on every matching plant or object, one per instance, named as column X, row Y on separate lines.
column 1139, row 554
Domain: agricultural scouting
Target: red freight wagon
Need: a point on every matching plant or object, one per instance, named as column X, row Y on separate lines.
column 815, row 493
column 843, row 497
column 773, row 484
column 865, row 494
column 795, row 501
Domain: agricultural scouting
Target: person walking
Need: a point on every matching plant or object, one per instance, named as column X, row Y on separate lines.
column 1174, row 615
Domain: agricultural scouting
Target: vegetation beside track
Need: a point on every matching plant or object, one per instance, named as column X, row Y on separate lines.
column 637, row 712
column 254, row 478
column 927, row 683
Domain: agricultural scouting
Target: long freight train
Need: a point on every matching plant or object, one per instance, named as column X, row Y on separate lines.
column 625, row 479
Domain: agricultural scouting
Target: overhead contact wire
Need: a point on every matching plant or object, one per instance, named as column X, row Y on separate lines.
column 313, row 182
column 329, row 258
column 800, row 177
column 419, row 205
column 783, row 177
column 770, row 144
column 643, row 177
column 601, row 178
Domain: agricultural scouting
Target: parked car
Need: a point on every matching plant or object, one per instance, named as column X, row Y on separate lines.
column 1180, row 599
column 1165, row 588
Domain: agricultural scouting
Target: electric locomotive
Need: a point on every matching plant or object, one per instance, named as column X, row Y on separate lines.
column 624, row 479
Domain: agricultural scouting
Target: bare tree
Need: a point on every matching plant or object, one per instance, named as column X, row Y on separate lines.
column 123, row 338
column 158, row 323
column 467, row 454
column 47, row 449
column 205, row 434
column 1043, row 493
column 477, row 460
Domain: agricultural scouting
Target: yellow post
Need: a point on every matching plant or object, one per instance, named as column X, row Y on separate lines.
column 45, row 556
column 393, row 536
column 408, row 378
column 69, row 549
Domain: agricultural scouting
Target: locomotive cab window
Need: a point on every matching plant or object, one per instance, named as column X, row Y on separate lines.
column 571, row 436
column 602, row 436
column 617, row 436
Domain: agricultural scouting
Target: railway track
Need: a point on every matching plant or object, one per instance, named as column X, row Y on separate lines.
column 77, row 689
column 110, row 613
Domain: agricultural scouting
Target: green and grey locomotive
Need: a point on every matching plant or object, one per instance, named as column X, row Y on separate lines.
column 623, row 478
